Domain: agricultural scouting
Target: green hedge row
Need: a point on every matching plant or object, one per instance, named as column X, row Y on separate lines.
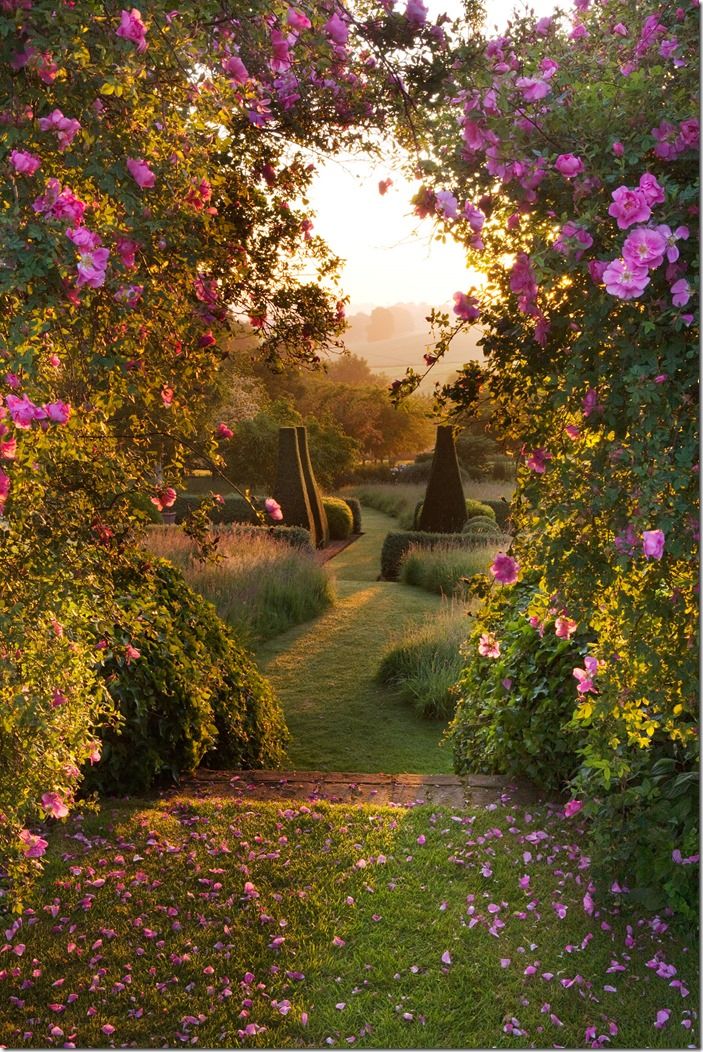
column 234, row 508
column 501, row 511
column 398, row 542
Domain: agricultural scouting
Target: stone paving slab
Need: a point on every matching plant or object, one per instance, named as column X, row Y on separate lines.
column 404, row 790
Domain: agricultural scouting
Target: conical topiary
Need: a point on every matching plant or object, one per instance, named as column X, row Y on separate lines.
column 314, row 496
column 444, row 509
column 290, row 490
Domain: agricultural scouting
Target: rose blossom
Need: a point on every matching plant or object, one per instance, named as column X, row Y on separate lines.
column 504, row 569
column 568, row 165
column 629, row 206
column 624, row 280
column 653, row 543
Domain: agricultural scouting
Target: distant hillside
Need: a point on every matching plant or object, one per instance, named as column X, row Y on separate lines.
column 390, row 357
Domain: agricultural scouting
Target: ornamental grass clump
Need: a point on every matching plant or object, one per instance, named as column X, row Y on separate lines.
column 425, row 662
column 260, row 584
column 444, row 569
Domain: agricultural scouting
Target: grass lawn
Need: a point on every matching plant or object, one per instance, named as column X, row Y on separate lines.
column 339, row 716
column 230, row 923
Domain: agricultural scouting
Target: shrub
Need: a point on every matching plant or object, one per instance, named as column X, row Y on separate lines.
column 262, row 584
column 289, row 488
column 417, row 472
column 481, row 524
column 397, row 543
column 501, row 511
column 372, row 473
column 441, row 569
column 339, row 517
column 477, row 507
column 474, row 509
column 443, row 510
column 425, row 662
column 354, row 506
column 233, row 509
column 514, row 710
column 191, row 690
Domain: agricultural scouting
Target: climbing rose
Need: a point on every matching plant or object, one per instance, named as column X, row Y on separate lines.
column 336, row 29
column 141, row 173
column 416, row 12
column 24, row 163
column 624, row 280
column 94, row 753
column 572, row 808
column 652, row 192
column 58, row 412
column 222, row 431
column 132, row 28
column 644, row 247
column 446, row 203
column 235, row 68
column 504, row 569
column 54, row 804
column 565, row 627
column 532, row 88
column 274, row 509
column 653, row 543
column 537, row 460
column 489, row 646
column 585, row 676
column 66, row 128
column 34, row 846
column 568, row 165
column 680, row 293
column 297, row 20
column 466, row 306
column 131, row 653
column 165, row 498
column 629, row 206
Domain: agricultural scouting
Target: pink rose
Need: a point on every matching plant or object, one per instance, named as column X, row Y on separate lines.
column 141, row 173
column 568, row 165
column 489, row 646
column 644, row 247
column 504, row 569
column 629, row 206
column 34, row 846
column 624, row 280
column 653, row 543
column 273, row 509
column 466, row 306
column 565, row 627
column 336, row 29
column 532, row 88
column 572, row 808
column 132, row 28
column 24, row 163
column 222, row 431
column 54, row 804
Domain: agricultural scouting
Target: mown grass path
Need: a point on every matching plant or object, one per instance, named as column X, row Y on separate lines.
column 324, row 671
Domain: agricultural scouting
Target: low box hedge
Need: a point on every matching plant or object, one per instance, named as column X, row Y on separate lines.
column 354, row 506
column 397, row 543
column 501, row 509
column 339, row 518
column 233, row 509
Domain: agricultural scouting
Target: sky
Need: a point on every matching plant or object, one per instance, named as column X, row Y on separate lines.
column 390, row 254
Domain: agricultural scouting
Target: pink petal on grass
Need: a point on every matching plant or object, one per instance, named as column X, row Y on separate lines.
column 446, row 957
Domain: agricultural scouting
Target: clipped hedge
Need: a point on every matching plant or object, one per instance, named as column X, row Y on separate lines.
column 296, row 536
column 398, row 542
column 234, row 508
column 339, row 518
column 354, row 506
column 474, row 508
column 192, row 693
column 501, row 511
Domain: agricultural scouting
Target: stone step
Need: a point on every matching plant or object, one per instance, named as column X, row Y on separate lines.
column 474, row 790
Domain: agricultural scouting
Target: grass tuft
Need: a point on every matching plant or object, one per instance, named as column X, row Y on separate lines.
column 441, row 569
column 260, row 585
column 425, row 662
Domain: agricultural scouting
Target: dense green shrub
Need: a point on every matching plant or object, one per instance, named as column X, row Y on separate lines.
column 372, row 473
column 501, row 510
column 425, row 663
column 417, row 472
column 481, row 524
column 397, row 543
column 443, row 569
column 354, row 506
column 444, row 508
column 474, row 509
column 232, row 509
column 339, row 517
column 191, row 690
column 514, row 711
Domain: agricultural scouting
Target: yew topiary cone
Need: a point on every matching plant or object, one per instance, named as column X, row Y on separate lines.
column 290, row 490
column 444, row 509
column 314, row 496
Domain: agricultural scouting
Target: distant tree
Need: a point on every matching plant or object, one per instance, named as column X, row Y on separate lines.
column 381, row 326
column 355, row 370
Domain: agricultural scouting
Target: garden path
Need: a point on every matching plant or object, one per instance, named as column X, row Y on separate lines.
column 324, row 673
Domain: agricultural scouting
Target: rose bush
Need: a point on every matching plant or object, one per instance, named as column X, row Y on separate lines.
column 574, row 181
